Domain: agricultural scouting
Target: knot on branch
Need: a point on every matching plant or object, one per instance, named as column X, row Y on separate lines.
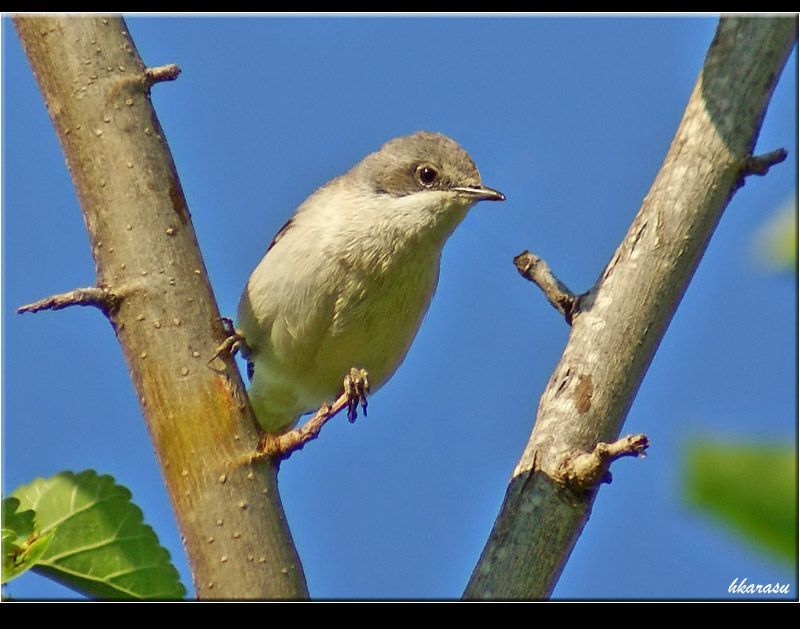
column 159, row 74
column 583, row 471
column 533, row 268
column 759, row 164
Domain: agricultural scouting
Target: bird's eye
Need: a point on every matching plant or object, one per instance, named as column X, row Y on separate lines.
column 427, row 175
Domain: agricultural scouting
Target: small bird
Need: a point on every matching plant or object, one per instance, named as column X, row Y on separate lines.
column 348, row 279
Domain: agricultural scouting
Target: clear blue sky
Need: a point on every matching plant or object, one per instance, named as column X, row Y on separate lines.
column 570, row 118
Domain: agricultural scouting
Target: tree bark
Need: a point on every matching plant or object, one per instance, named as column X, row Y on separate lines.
column 619, row 323
column 153, row 286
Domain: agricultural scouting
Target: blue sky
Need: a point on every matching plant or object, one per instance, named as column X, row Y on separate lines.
column 571, row 119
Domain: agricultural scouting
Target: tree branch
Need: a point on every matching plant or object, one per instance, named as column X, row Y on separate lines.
column 168, row 72
column 100, row 298
column 622, row 319
column 282, row 446
column 760, row 164
column 96, row 88
column 533, row 268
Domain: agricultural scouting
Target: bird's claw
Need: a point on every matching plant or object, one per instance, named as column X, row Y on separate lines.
column 356, row 386
column 234, row 343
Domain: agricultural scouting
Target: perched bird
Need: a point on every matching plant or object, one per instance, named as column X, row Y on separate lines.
column 347, row 281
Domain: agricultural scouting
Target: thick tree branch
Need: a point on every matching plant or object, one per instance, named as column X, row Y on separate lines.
column 622, row 319
column 96, row 88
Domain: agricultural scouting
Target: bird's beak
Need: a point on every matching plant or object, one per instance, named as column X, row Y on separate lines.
column 481, row 193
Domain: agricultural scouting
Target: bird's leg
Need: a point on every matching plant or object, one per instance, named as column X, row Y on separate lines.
column 356, row 387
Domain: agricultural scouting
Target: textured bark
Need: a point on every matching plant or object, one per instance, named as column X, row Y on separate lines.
column 161, row 305
column 619, row 323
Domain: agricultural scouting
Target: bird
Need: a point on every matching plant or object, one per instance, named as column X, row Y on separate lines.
column 346, row 282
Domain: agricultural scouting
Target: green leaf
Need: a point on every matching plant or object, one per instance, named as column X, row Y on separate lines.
column 23, row 544
column 776, row 241
column 101, row 546
column 751, row 488
column 16, row 522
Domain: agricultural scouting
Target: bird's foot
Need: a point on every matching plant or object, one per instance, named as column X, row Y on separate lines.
column 356, row 387
column 234, row 343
